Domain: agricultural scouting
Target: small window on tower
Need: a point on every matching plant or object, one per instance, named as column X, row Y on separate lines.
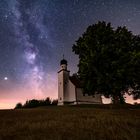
column 60, row 83
column 60, row 98
column 65, row 82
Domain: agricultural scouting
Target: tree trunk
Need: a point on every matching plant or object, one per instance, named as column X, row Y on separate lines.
column 115, row 99
column 121, row 99
column 118, row 99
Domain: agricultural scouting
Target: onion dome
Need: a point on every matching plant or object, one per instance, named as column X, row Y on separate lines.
column 63, row 61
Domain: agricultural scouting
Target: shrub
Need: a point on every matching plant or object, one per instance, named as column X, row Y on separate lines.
column 18, row 105
column 55, row 102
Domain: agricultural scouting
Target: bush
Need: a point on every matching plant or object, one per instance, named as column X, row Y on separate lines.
column 36, row 103
column 55, row 102
column 18, row 105
column 31, row 103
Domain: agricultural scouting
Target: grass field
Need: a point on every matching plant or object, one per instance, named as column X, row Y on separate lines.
column 70, row 123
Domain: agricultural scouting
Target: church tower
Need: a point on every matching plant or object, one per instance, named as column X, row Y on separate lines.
column 63, row 78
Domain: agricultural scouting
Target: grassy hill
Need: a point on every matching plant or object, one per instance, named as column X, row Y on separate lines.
column 71, row 123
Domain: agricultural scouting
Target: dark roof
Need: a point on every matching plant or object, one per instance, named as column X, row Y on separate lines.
column 63, row 61
column 63, row 70
column 75, row 80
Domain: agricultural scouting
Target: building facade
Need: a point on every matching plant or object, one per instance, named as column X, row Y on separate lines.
column 70, row 89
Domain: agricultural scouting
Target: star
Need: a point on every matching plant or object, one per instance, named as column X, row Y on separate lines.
column 5, row 78
column 6, row 16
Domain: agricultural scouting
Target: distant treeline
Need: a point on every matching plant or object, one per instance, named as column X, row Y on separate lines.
column 36, row 103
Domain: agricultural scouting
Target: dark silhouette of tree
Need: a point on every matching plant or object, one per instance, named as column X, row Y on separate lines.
column 109, row 61
column 54, row 102
column 36, row 103
column 18, row 106
column 31, row 103
column 48, row 101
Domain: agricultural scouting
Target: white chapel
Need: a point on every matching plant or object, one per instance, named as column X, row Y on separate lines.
column 70, row 89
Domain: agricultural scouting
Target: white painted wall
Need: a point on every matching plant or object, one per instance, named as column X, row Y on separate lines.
column 66, row 80
column 71, row 96
column 63, row 78
column 81, row 99
column 60, row 88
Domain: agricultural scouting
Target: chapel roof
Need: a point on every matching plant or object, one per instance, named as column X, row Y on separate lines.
column 76, row 81
column 63, row 61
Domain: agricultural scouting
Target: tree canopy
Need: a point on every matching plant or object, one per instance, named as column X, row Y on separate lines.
column 36, row 103
column 109, row 60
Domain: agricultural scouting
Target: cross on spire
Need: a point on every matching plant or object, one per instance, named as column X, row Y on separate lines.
column 63, row 56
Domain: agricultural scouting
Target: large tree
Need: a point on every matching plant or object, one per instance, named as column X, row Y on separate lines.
column 109, row 61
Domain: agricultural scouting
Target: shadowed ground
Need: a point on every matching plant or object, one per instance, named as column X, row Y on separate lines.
column 71, row 123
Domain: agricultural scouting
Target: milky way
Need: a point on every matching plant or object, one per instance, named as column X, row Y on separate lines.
column 34, row 35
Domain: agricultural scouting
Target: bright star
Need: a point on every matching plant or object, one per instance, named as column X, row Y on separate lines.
column 5, row 78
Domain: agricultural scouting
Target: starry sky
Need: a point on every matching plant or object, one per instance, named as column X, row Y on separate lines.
column 34, row 35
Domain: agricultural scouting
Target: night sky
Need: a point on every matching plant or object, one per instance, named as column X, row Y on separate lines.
column 34, row 35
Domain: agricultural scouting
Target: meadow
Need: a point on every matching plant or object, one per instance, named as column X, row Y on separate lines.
column 70, row 123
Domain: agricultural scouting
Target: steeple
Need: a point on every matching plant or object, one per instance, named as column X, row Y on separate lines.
column 63, row 77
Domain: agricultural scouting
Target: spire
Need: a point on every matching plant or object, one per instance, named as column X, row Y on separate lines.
column 63, row 56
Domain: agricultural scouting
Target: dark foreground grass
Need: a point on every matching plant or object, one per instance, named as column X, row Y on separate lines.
column 70, row 123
